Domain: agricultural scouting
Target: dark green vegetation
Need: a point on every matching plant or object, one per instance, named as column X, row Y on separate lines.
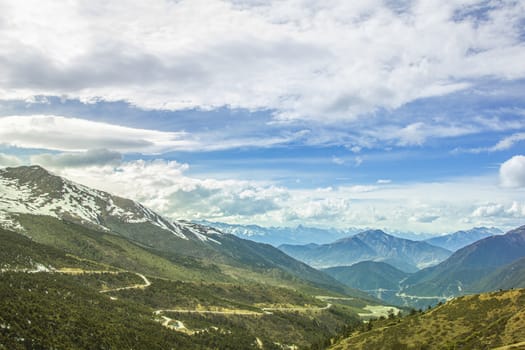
column 462, row 272
column 376, row 245
column 44, row 311
column 113, row 274
column 190, row 267
column 368, row 275
column 483, row 321
column 65, row 310
column 506, row 277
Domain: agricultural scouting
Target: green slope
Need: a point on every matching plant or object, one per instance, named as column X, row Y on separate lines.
column 506, row 277
column 460, row 273
column 368, row 275
column 64, row 311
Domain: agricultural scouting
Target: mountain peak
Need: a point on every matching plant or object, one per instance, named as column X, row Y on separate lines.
column 373, row 233
column 34, row 190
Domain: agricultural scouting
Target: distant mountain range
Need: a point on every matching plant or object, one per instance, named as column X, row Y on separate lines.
column 460, row 239
column 282, row 235
column 373, row 245
column 301, row 235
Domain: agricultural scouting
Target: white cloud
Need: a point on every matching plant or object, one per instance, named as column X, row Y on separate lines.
column 502, row 145
column 326, row 61
column 384, row 181
column 512, row 172
column 166, row 187
column 9, row 160
column 61, row 133
column 489, row 210
column 72, row 134
column 508, row 142
column 338, row 161
column 79, row 159
column 500, row 211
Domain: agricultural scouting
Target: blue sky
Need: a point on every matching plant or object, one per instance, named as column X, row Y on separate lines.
column 405, row 115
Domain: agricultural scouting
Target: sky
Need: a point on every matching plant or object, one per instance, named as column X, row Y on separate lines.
column 397, row 114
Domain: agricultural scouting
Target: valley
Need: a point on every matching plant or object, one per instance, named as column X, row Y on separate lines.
column 81, row 269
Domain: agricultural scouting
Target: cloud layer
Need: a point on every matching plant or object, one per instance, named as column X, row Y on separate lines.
column 326, row 61
column 422, row 207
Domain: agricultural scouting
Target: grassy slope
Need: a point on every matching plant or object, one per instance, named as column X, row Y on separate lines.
column 468, row 265
column 468, row 322
column 506, row 277
column 368, row 275
column 239, row 260
column 114, row 250
column 83, row 311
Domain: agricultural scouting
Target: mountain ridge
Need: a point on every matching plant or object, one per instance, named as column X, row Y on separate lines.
column 465, row 267
column 34, row 199
column 375, row 245
column 459, row 239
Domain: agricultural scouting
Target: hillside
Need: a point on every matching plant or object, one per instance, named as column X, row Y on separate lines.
column 374, row 245
column 369, row 276
column 80, row 268
column 506, row 277
column 50, row 298
column 457, row 240
column 97, row 225
column 483, row 321
column 462, row 271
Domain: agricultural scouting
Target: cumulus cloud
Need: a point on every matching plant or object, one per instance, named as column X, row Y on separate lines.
column 9, row 160
column 163, row 186
column 167, row 187
column 512, row 172
column 500, row 211
column 79, row 159
column 489, row 210
column 355, row 58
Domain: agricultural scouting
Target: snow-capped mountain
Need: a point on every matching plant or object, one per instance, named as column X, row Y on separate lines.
column 33, row 190
column 102, row 227
column 283, row 235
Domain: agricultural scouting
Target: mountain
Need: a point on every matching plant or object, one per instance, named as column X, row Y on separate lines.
column 463, row 269
column 55, row 211
column 52, row 299
column 485, row 321
column 369, row 276
column 374, row 245
column 460, row 239
column 282, row 235
column 81, row 268
column 506, row 277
